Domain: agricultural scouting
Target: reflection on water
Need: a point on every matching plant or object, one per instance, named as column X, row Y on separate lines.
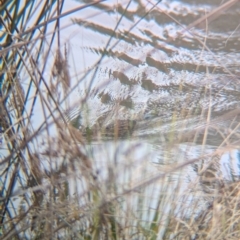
column 151, row 68
column 180, row 86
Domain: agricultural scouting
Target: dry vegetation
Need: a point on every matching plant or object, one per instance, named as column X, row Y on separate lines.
column 51, row 187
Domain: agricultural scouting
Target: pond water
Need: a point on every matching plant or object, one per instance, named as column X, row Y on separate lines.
column 173, row 67
column 150, row 68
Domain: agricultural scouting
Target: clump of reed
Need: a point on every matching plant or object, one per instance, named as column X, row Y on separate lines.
column 53, row 185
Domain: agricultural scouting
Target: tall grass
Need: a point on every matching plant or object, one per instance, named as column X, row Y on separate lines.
column 58, row 184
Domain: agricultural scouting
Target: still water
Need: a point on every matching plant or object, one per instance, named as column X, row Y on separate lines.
column 173, row 67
